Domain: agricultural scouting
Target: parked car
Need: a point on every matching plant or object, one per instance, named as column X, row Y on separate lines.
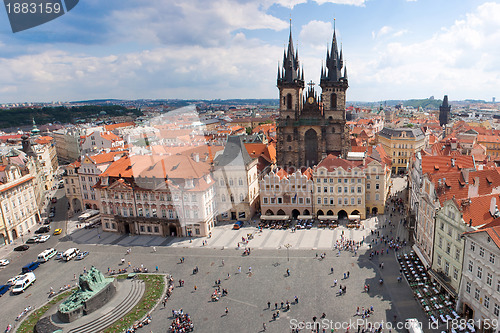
column 23, row 247
column 42, row 230
column 59, row 255
column 31, row 240
column 13, row 280
column 30, row 267
column 46, row 221
column 52, row 214
column 4, row 288
column 82, row 255
column 4, row 262
column 54, row 200
column 57, row 231
column 43, row 238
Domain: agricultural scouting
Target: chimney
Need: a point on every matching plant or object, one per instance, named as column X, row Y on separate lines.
column 493, row 206
column 197, row 157
column 452, row 162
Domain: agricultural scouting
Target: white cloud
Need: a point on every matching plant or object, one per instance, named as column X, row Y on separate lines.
column 234, row 70
column 460, row 60
column 316, row 34
column 342, row 2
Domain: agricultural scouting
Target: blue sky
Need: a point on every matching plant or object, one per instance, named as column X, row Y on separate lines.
column 200, row 49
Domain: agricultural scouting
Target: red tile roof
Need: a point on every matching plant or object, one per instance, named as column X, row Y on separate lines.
column 492, row 231
column 119, row 125
column 477, row 209
column 435, row 164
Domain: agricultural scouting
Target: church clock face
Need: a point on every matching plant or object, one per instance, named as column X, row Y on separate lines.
column 310, row 100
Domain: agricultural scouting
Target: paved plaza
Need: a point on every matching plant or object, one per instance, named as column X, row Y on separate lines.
column 248, row 293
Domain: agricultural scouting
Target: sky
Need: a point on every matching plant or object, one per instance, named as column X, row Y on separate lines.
column 211, row 49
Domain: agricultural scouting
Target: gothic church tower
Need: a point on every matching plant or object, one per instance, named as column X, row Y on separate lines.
column 309, row 128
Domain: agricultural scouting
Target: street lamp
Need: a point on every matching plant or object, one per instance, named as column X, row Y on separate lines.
column 288, row 246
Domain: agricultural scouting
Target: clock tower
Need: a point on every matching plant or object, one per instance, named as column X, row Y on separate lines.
column 309, row 127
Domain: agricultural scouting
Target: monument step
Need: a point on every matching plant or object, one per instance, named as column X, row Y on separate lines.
column 133, row 297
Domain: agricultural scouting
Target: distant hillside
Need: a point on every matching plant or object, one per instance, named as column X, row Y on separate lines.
column 424, row 103
column 15, row 117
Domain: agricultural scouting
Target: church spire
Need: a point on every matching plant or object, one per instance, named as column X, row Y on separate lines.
column 334, row 60
column 290, row 71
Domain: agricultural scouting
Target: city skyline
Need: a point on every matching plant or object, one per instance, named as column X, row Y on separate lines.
column 231, row 49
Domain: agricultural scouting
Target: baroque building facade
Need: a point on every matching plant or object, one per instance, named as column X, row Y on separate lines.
column 310, row 128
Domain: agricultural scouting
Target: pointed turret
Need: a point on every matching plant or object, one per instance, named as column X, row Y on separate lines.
column 345, row 72
column 290, row 70
column 334, row 61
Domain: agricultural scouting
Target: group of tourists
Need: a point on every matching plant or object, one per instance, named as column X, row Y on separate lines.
column 181, row 323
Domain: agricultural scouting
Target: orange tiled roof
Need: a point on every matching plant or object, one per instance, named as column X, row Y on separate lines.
column 106, row 157
column 492, row 231
column 332, row 162
column 110, row 136
column 477, row 209
column 119, row 125
column 435, row 164
column 488, row 138
column 43, row 140
column 454, row 185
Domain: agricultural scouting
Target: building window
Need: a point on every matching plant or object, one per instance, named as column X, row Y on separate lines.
column 496, row 310
column 359, row 201
column 240, row 181
column 472, row 247
column 231, row 182
column 280, row 200
column 489, row 278
column 223, row 198
column 131, row 211
column 467, row 287
column 265, row 200
column 243, row 199
column 486, row 302
column 492, row 258
column 471, row 266
column 446, row 268
column 346, row 190
column 325, row 201
column 340, row 189
column 352, row 201
column 367, row 186
column 319, row 201
column 479, row 272
column 359, row 189
column 448, row 247
column 232, row 198
column 141, row 228
column 377, row 186
column 308, row 201
column 301, row 201
column 455, row 273
column 157, row 230
column 457, row 254
column 331, row 189
column 325, row 189
column 477, row 294
column 163, row 213
column 439, row 260
column 481, row 252
column 340, row 201
column 319, row 189
column 332, row 201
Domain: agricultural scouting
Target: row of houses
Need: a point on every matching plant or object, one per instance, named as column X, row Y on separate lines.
column 455, row 220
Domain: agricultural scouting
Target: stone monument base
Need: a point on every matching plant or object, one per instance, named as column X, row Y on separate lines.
column 90, row 305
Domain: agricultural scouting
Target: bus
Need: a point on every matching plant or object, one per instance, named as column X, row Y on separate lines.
column 90, row 217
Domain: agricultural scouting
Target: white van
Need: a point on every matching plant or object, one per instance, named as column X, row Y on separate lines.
column 70, row 254
column 22, row 284
column 46, row 255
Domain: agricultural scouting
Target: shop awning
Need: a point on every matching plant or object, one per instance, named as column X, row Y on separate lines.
column 275, row 217
column 304, row 217
column 328, row 217
column 354, row 217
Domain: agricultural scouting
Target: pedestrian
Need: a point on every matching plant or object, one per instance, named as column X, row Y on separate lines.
column 222, row 262
column 154, row 248
column 331, row 270
column 268, row 305
column 195, row 287
column 74, row 275
column 281, row 305
column 156, row 268
column 276, row 306
column 348, row 274
column 250, row 269
column 227, row 310
column 239, row 269
column 129, row 264
column 264, row 327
